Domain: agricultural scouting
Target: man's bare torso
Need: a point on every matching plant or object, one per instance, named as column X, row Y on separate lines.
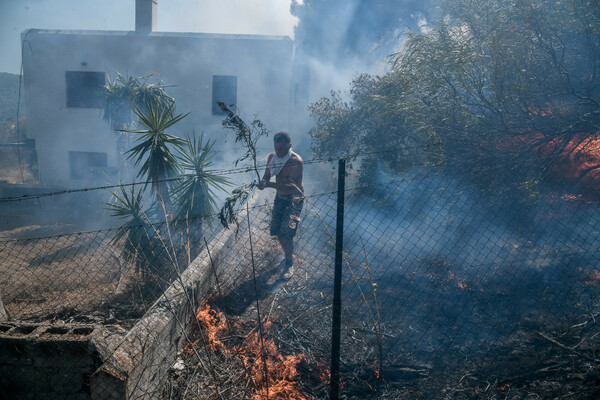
column 289, row 179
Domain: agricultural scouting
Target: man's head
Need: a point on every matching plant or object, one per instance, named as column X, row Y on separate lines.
column 282, row 143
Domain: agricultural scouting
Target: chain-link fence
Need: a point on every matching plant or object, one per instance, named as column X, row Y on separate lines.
column 449, row 291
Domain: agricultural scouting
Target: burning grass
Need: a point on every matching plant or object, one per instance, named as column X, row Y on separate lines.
column 240, row 363
column 225, row 360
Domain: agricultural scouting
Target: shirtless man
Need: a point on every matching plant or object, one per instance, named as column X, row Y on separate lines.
column 287, row 167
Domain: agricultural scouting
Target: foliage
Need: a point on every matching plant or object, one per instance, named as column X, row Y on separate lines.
column 166, row 162
column 140, row 239
column 194, row 192
column 124, row 93
column 248, row 136
column 153, row 148
column 498, row 82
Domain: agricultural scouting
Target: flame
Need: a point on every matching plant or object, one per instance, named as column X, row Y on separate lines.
column 545, row 111
column 282, row 370
column 376, row 368
column 324, row 374
column 213, row 323
column 595, row 278
column 579, row 153
column 460, row 284
column 504, row 387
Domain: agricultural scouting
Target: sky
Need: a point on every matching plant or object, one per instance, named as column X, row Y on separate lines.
column 263, row 17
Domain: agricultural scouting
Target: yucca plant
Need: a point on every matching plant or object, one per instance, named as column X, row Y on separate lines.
column 121, row 95
column 153, row 149
column 125, row 92
column 141, row 243
column 194, row 193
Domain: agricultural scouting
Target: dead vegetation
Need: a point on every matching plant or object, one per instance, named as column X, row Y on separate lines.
column 560, row 362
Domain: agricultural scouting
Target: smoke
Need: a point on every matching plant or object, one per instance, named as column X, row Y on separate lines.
column 336, row 40
column 455, row 267
column 341, row 39
column 266, row 17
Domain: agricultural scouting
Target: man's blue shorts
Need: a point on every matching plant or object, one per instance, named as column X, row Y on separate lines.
column 286, row 215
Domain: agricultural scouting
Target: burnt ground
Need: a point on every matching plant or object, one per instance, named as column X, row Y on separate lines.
column 559, row 361
column 527, row 328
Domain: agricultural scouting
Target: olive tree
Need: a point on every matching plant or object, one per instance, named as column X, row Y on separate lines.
column 503, row 81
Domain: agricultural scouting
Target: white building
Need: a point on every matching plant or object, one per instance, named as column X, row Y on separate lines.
column 63, row 72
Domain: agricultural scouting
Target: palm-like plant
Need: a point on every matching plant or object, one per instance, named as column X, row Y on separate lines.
column 121, row 95
column 153, row 149
column 194, row 192
column 125, row 92
column 141, row 242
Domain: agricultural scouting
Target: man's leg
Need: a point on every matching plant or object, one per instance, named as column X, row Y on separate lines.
column 287, row 244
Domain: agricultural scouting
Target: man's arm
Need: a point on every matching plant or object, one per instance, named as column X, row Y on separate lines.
column 267, row 175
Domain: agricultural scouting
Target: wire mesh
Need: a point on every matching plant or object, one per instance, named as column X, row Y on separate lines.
column 458, row 282
column 448, row 289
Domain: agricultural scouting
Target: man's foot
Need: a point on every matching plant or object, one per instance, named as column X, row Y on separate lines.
column 289, row 266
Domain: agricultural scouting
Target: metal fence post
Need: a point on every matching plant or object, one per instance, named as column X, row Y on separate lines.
column 334, row 392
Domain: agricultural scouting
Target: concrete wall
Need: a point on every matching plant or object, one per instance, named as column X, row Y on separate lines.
column 139, row 365
column 43, row 361
column 184, row 62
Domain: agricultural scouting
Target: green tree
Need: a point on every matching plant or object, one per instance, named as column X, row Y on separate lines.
column 484, row 89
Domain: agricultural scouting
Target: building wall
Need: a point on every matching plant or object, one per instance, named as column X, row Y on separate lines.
column 185, row 63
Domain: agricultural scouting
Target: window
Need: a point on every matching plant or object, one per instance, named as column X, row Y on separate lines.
column 85, row 89
column 225, row 91
column 86, row 165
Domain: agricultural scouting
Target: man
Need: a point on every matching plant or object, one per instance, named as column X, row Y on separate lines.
column 287, row 167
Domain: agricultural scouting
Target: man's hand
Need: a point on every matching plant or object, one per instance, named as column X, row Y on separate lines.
column 261, row 184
